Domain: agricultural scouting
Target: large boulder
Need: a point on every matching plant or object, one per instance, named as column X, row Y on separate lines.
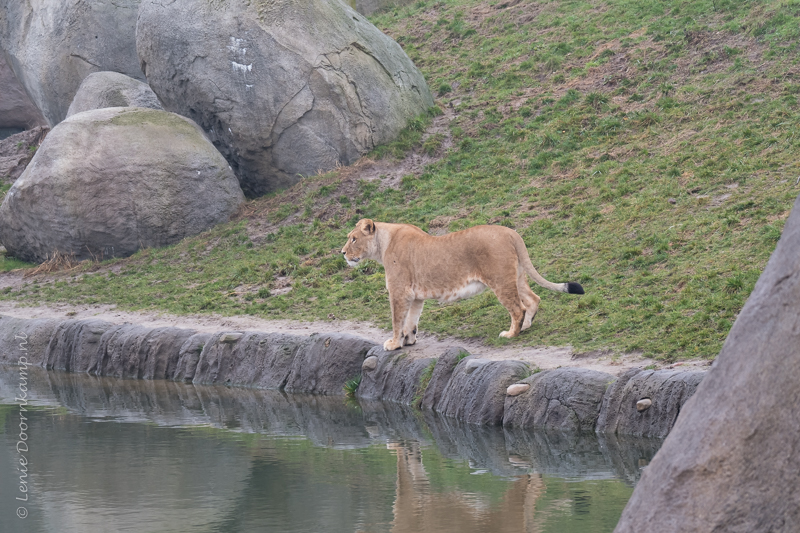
column 284, row 89
column 731, row 460
column 106, row 182
column 53, row 45
column 17, row 112
column 112, row 89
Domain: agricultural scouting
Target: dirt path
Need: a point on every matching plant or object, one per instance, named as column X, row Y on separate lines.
column 545, row 357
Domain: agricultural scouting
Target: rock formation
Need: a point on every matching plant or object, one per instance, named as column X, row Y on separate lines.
column 17, row 112
column 565, row 399
column 53, row 45
column 456, row 385
column 284, row 89
column 646, row 403
column 106, row 182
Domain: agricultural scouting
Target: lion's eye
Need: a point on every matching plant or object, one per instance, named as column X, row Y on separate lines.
column 354, row 239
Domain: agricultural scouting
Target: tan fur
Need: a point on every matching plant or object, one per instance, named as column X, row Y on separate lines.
column 449, row 267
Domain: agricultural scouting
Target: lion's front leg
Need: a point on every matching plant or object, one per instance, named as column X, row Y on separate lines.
column 401, row 305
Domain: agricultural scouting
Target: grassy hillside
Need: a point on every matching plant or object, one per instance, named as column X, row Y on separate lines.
column 647, row 150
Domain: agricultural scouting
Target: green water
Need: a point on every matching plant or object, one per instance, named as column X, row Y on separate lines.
column 155, row 456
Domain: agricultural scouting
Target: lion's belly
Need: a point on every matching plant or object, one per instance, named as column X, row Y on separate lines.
column 451, row 295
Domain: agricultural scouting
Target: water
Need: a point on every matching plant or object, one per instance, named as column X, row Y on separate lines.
column 156, row 456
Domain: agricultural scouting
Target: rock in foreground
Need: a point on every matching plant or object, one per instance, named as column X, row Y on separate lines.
column 284, row 89
column 733, row 456
column 106, row 182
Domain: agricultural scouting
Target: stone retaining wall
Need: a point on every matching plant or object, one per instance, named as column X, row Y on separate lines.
column 479, row 391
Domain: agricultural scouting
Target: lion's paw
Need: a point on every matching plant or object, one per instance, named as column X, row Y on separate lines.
column 505, row 334
column 391, row 344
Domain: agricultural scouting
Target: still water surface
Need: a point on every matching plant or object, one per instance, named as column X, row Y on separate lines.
column 108, row 455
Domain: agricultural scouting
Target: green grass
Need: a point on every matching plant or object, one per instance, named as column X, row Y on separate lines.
column 647, row 150
column 422, row 386
column 351, row 386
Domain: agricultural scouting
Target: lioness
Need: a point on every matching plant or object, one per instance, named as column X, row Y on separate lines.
column 454, row 266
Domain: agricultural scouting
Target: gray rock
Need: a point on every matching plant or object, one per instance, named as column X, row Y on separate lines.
column 139, row 352
column 733, row 456
column 108, row 181
column 368, row 7
column 325, row 362
column 53, row 45
column 370, row 363
column 16, row 108
column 112, row 89
column 189, row 356
column 477, row 396
column 255, row 359
column 283, row 89
column 564, row 399
column 442, row 373
column 667, row 390
column 396, row 377
column 230, row 338
column 16, row 151
column 74, row 345
column 28, row 338
column 517, row 388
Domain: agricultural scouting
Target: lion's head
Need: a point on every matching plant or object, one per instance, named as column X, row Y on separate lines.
column 360, row 243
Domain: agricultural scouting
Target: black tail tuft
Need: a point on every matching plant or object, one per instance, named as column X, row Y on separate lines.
column 574, row 288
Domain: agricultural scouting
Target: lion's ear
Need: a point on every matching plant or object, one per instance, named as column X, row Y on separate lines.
column 369, row 226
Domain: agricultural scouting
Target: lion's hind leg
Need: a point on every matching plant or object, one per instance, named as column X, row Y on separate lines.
column 529, row 300
column 401, row 306
column 412, row 322
column 509, row 297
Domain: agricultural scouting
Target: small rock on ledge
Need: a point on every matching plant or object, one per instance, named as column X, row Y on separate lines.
column 517, row 389
column 643, row 404
column 370, row 363
column 230, row 338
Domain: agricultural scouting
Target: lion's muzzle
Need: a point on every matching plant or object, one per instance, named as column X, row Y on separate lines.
column 350, row 262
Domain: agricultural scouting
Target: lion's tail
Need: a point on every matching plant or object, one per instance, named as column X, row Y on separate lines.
column 525, row 260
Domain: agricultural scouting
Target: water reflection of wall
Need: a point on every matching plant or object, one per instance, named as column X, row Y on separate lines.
column 332, row 422
column 117, row 445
